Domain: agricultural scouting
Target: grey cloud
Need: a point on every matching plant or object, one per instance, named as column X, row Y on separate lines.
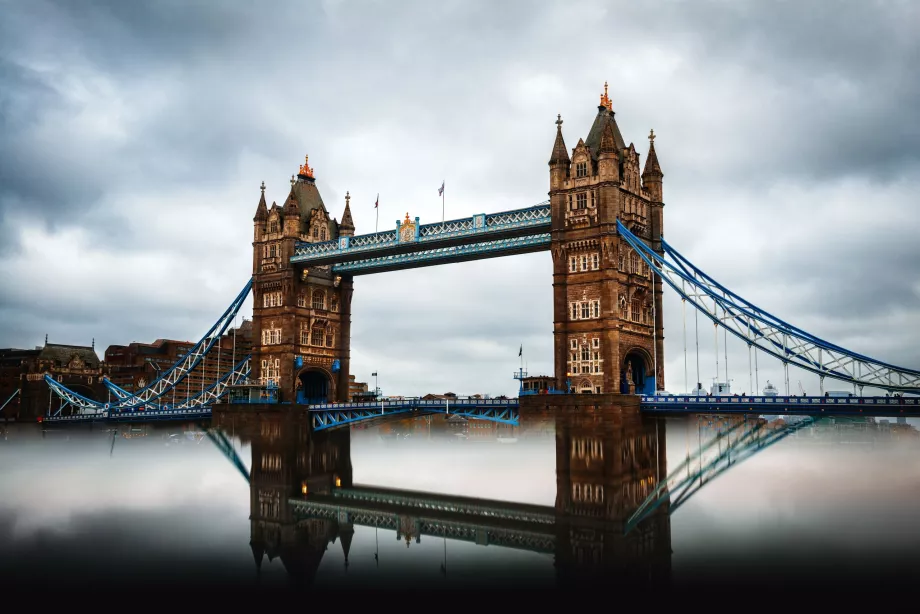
column 151, row 126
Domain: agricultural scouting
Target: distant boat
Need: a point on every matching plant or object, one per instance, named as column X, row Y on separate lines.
column 507, row 440
column 770, row 390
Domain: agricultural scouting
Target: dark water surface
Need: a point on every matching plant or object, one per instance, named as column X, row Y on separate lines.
column 449, row 503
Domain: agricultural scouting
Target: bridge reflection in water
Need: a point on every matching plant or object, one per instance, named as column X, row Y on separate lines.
column 303, row 499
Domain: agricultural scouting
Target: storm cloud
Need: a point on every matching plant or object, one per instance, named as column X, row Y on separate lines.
column 134, row 137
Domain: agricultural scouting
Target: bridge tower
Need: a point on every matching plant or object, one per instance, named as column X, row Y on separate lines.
column 608, row 332
column 301, row 317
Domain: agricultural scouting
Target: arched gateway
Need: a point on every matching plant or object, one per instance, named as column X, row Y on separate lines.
column 608, row 334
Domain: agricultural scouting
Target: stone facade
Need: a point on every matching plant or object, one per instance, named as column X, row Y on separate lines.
column 301, row 316
column 608, row 333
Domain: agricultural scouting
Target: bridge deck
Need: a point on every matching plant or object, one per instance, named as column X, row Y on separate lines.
column 877, row 406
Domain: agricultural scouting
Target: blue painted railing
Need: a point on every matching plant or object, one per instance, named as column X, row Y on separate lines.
column 788, row 404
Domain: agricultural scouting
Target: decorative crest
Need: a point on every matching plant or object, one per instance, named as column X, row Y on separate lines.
column 305, row 169
column 559, row 120
column 651, row 136
column 605, row 100
column 407, row 218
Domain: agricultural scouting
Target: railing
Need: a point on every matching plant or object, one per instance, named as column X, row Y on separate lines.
column 766, row 403
column 415, row 402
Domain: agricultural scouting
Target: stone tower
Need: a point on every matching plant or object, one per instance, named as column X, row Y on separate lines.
column 608, row 333
column 301, row 318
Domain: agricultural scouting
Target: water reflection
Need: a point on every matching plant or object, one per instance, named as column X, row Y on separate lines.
column 303, row 499
column 260, row 500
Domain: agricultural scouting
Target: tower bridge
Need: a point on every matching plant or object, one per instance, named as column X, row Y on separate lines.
column 603, row 226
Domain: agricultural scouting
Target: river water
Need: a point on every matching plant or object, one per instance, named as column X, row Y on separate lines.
column 598, row 499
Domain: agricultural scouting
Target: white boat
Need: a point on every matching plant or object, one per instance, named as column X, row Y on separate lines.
column 770, row 390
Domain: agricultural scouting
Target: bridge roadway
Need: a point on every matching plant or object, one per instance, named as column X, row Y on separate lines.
column 506, row 411
column 484, row 522
column 413, row 245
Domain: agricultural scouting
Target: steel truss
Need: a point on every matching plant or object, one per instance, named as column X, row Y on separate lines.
column 201, row 401
column 178, row 372
column 331, row 415
column 480, row 533
column 711, row 461
column 477, row 226
column 765, row 332
column 446, row 255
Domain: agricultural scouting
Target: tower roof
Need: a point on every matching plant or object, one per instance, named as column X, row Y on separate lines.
column 305, row 192
column 651, row 162
column 604, row 118
column 560, row 153
column 608, row 142
column 262, row 209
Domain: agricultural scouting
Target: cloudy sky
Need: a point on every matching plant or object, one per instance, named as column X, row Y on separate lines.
column 133, row 139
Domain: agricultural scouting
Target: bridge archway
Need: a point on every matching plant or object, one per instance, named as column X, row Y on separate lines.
column 314, row 385
column 637, row 367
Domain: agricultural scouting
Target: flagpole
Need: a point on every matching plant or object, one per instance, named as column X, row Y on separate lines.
column 442, row 202
column 377, row 209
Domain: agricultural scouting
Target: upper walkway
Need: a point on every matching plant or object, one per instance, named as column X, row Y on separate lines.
column 412, row 245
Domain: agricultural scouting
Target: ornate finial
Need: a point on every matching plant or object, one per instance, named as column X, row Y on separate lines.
column 605, row 99
column 263, row 187
column 407, row 218
column 651, row 136
column 305, row 169
column 293, row 180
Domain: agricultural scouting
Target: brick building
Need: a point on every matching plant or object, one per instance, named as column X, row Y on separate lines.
column 136, row 365
column 301, row 320
column 76, row 366
column 608, row 334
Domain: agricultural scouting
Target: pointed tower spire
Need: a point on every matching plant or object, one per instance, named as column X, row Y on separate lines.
column 652, row 168
column 560, row 153
column 347, row 226
column 261, row 210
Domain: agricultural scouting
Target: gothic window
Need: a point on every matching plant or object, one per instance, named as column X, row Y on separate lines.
column 634, row 311
column 585, row 353
column 319, row 300
column 573, row 264
column 318, row 337
column 596, row 343
column 322, row 234
column 597, row 309
column 581, row 200
column 593, row 198
column 597, row 389
column 581, row 169
column 304, row 337
column 574, row 316
column 333, row 303
column 271, row 299
column 620, row 263
column 574, row 344
column 633, row 263
column 584, row 263
column 570, row 202
column 301, row 300
column 272, row 250
column 595, row 262
column 574, row 357
column 329, row 339
column 273, row 226
column 585, row 313
column 271, row 370
column 271, row 336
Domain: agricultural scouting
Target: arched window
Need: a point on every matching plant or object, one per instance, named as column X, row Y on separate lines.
column 333, row 303
column 322, row 234
column 273, row 226
column 319, row 300
column 301, row 300
column 315, row 232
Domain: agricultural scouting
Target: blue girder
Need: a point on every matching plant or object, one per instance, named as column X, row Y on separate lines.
column 475, row 229
column 331, row 415
column 765, row 332
column 446, row 255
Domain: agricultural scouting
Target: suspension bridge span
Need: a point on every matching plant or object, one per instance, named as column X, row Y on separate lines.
column 603, row 226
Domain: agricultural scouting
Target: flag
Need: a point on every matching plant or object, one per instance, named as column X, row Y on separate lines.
column 374, row 374
column 521, row 351
column 377, row 202
column 441, row 189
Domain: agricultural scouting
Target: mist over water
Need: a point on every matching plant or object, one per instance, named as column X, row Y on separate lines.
column 452, row 503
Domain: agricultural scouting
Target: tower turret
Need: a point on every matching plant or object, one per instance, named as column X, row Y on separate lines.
column 261, row 217
column 559, row 161
column 608, row 156
column 652, row 175
column 291, row 213
column 347, row 226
